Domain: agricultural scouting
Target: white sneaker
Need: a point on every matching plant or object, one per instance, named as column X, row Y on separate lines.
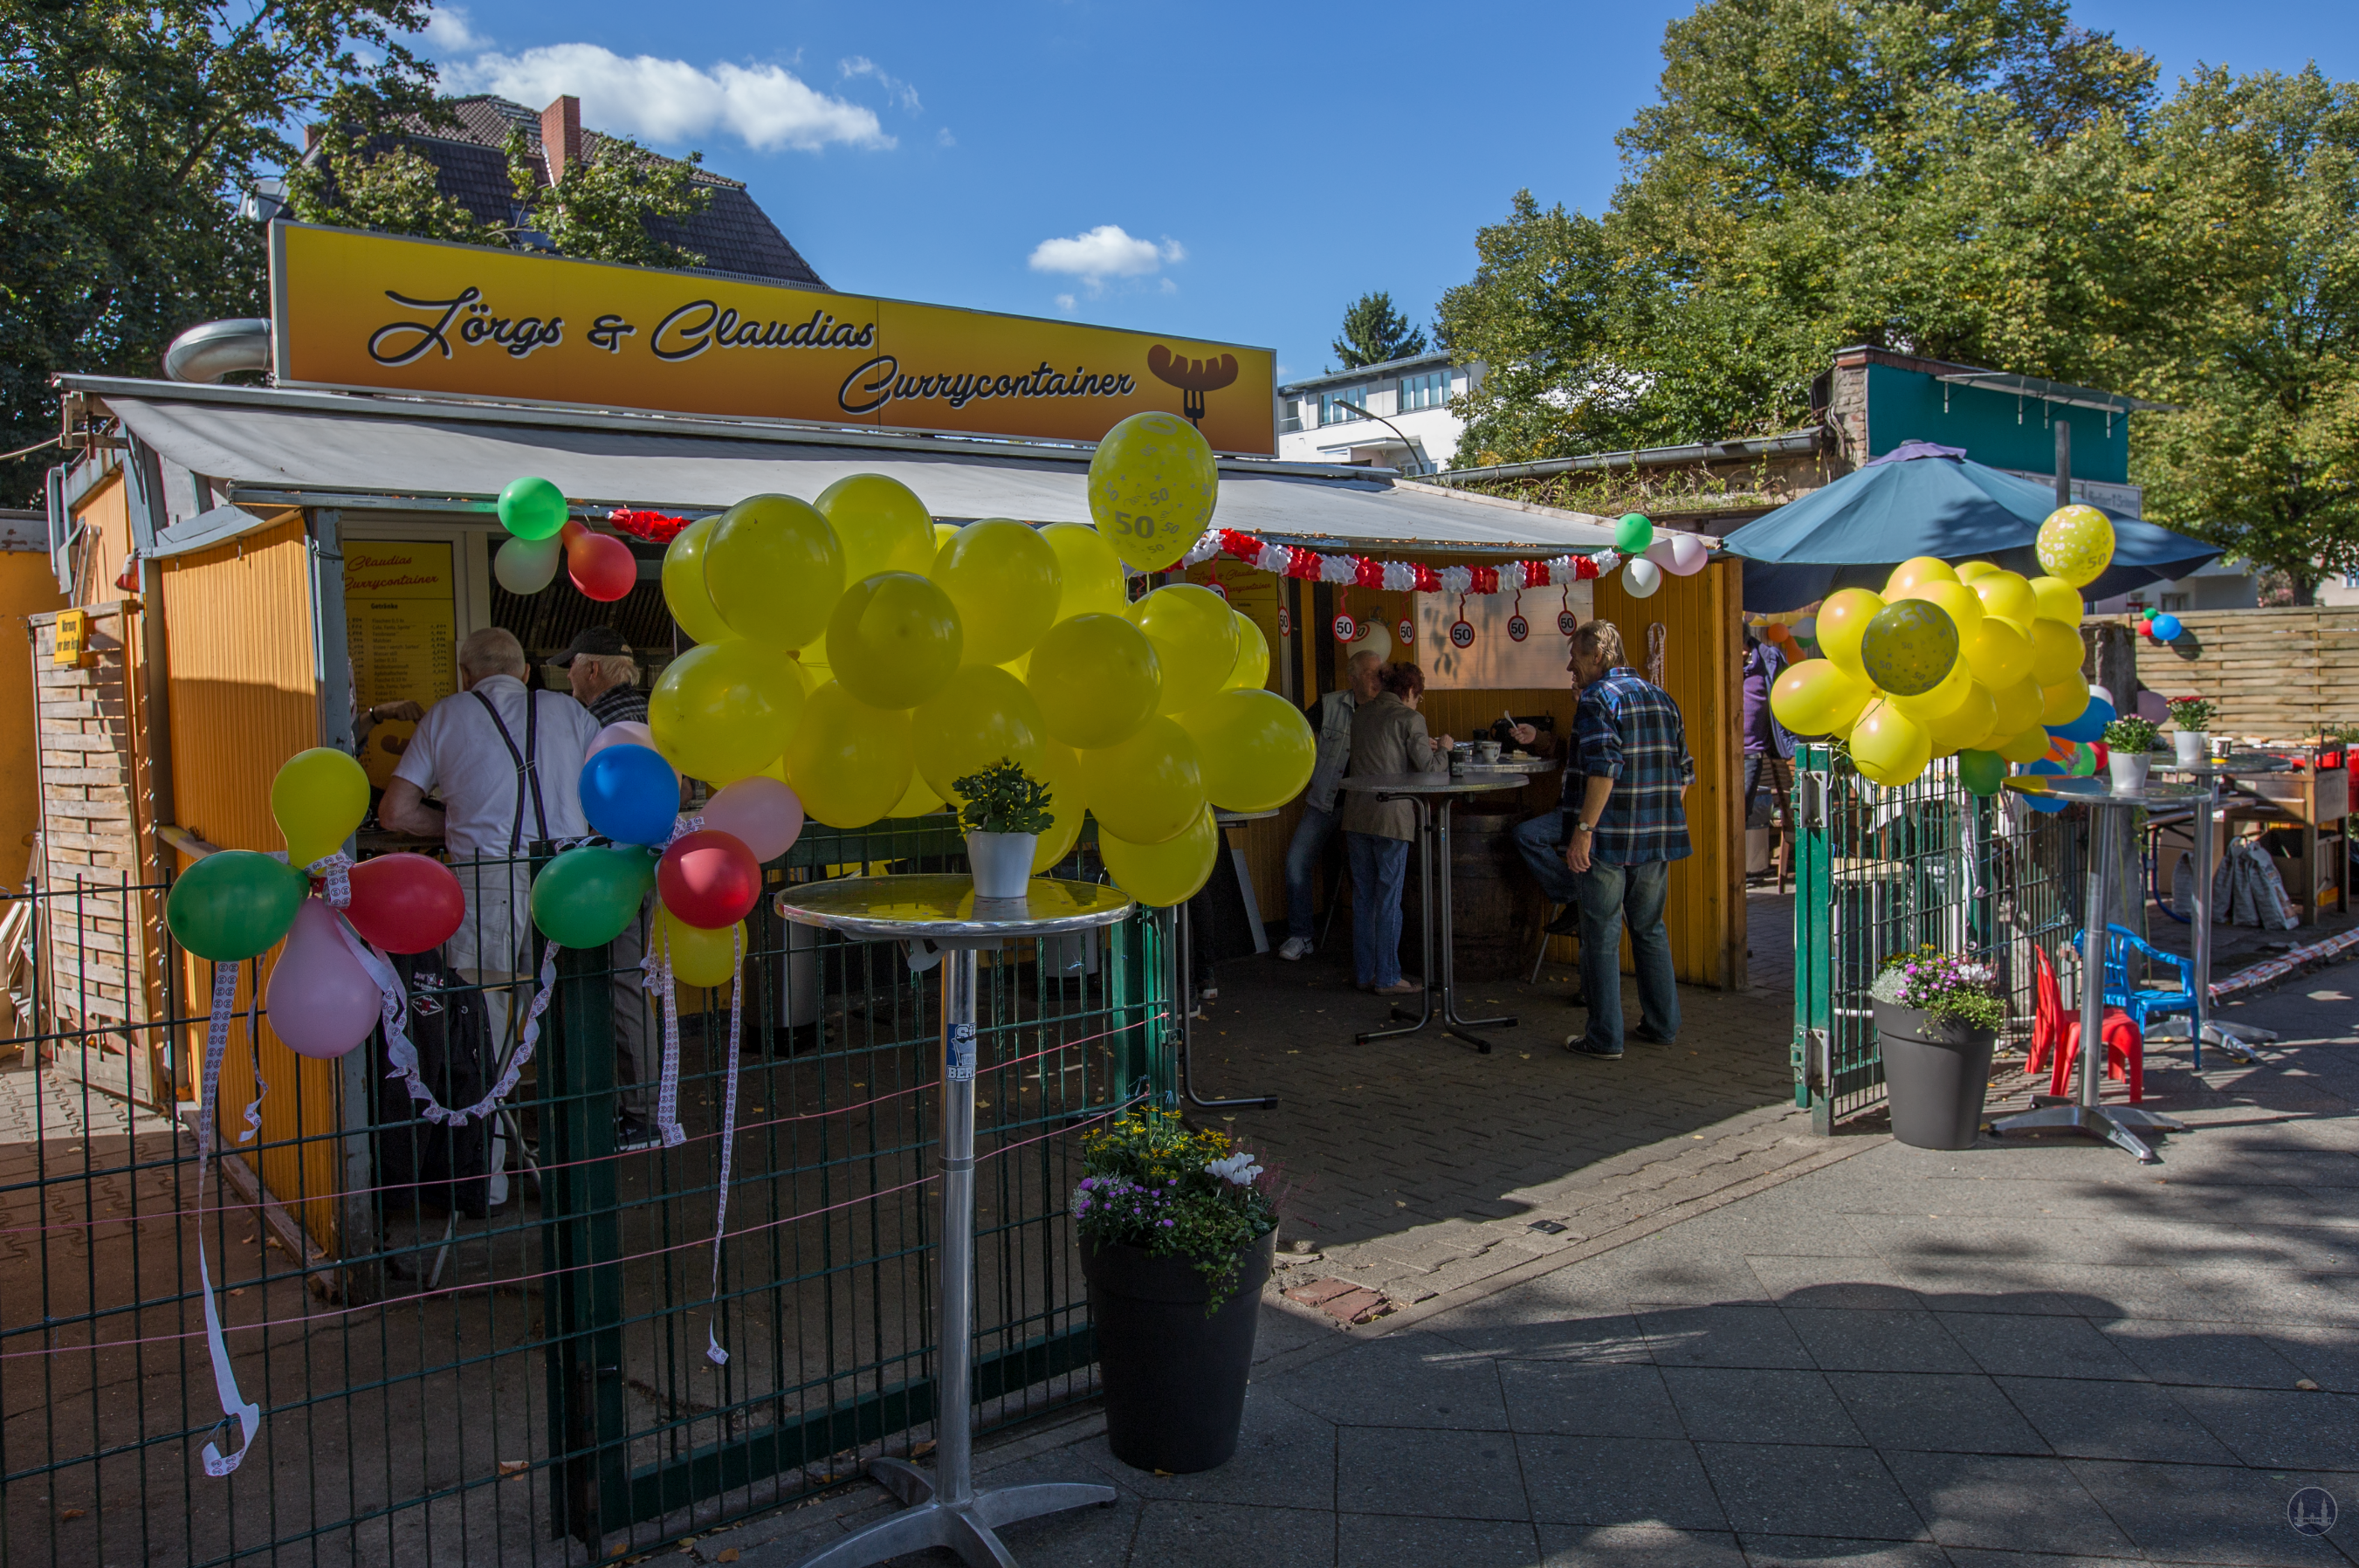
column 1295, row 948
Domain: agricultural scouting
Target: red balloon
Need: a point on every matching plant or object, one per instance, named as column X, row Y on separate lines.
column 708, row 879
column 602, row 566
column 406, row 903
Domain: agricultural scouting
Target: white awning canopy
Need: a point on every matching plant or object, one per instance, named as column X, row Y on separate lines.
column 260, row 447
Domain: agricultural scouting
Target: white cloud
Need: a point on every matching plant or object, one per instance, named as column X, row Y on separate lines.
column 1066, row 303
column 764, row 106
column 1106, row 251
column 860, row 65
column 944, row 136
column 448, row 31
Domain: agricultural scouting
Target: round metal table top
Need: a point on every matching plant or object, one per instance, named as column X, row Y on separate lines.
column 945, row 907
column 1473, row 783
column 1234, row 819
column 2234, row 762
column 2101, row 792
column 1527, row 766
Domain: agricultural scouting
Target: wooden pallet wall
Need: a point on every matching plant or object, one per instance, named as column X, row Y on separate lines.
column 2276, row 674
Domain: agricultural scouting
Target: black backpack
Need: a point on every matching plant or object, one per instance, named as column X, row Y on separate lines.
column 422, row 1163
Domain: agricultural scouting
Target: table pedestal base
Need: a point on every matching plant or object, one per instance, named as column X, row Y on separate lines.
column 2117, row 1124
column 964, row 1527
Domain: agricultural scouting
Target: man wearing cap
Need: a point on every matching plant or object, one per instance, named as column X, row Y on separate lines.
column 606, row 678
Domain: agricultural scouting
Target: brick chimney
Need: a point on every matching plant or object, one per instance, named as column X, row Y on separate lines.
column 560, row 136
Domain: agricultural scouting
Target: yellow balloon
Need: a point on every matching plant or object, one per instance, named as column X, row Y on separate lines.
column 1974, row 571
column 319, row 799
column 1964, row 607
column 2025, row 745
column 1916, row 570
column 1889, row 746
column 2055, row 650
column 1255, row 749
column 984, row 715
column 1097, row 678
column 1161, row 875
column 880, row 523
column 2008, row 596
column 724, row 709
column 1152, row 484
column 894, row 640
column 1815, row 697
column 944, row 533
column 1005, row 580
column 774, row 570
column 1148, row 787
column 1195, row 637
column 1927, row 706
column 1966, row 727
column 2059, row 600
column 683, row 583
column 1095, row 583
column 2076, row 543
column 1068, row 807
column 698, row 957
column 851, row 763
column 1843, row 620
column 2018, row 707
column 1998, row 653
column 916, row 801
column 1251, row 672
column 2062, row 703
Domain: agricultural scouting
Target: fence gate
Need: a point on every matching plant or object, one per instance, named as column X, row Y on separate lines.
column 1878, row 871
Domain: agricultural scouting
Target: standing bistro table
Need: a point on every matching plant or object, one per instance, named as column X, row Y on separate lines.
column 2108, row 814
column 1432, row 795
column 2207, row 815
column 945, row 1509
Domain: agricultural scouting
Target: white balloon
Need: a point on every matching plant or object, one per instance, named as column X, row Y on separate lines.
column 1641, row 577
column 1688, row 555
column 1375, row 637
column 527, row 566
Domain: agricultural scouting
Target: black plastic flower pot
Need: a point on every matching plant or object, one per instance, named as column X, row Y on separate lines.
column 1174, row 1378
column 1936, row 1074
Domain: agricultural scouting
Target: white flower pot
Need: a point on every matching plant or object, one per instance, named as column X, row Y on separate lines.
column 2193, row 747
column 2129, row 772
column 1001, row 862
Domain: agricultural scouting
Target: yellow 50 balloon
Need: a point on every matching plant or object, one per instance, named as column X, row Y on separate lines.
column 1152, row 484
column 725, row 709
column 774, row 571
column 1097, row 678
column 1005, row 580
column 1161, row 875
column 1148, row 787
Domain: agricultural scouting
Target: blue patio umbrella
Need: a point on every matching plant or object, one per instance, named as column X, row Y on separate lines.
column 1922, row 499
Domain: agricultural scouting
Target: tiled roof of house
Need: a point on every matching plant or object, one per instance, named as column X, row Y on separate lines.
column 732, row 234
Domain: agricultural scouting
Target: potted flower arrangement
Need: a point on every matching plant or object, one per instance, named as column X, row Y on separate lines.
column 1004, row 810
column 2191, row 716
column 2132, row 741
column 1937, row 1017
column 1176, row 1229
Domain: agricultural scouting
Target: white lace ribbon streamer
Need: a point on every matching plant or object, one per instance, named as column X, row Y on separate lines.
column 712, row 1350
column 655, row 966
column 235, row 1405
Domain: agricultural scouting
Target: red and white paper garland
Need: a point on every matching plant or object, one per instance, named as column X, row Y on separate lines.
column 1397, row 576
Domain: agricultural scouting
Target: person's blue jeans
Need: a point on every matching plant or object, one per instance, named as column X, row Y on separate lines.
column 1303, row 856
column 1379, row 873
column 1541, row 839
column 1614, row 896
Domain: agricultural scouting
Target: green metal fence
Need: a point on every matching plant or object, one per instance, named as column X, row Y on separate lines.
column 1878, row 871
column 530, row 1381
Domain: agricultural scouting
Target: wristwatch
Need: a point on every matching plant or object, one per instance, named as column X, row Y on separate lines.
column 1584, row 827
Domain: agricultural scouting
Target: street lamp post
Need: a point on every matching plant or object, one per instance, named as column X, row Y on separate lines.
column 1416, row 463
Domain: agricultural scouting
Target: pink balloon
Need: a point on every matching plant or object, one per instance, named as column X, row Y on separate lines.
column 1688, row 555
column 761, row 812
column 321, row 1002
column 2153, row 705
column 623, row 733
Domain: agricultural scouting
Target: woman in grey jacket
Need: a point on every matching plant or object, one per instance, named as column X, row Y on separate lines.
column 1388, row 736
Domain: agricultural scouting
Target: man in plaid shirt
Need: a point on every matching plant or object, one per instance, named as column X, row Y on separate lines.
column 1625, row 827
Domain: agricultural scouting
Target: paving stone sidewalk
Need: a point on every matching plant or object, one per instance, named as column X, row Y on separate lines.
column 2031, row 1353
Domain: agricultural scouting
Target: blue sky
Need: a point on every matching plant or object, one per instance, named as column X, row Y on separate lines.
column 1236, row 172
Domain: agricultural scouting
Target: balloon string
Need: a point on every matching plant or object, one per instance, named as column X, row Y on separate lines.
column 712, row 1350
column 656, row 965
column 402, row 1055
column 234, row 1404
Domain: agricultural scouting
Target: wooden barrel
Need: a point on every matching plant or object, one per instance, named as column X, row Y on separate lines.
column 1494, row 904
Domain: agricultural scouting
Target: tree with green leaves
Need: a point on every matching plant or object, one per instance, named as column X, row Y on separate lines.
column 1374, row 332
column 613, row 204
column 363, row 174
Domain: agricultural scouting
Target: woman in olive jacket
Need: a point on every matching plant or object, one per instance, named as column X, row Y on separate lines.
column 1388, row 736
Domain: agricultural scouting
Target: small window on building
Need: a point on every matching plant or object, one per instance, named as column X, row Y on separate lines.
column 2177, row 601
column 1428, row 390
column 1332, row 410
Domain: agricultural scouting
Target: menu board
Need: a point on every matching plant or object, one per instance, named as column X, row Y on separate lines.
column 401, row 626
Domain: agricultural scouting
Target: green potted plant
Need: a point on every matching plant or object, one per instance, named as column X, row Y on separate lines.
column 2132, row 743
column 1004, row 810
column 2191, row 717
column 1936, row 1020
column 1177, row 1228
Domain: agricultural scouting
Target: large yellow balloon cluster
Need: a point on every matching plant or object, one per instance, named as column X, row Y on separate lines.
column 1950, row 661
column 871, row 658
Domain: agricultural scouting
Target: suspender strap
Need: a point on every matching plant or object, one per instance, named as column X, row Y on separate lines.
column 527, row 772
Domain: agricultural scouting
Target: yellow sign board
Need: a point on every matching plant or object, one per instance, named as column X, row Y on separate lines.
column 401, row 629
column 72, row 637
column 379, row 311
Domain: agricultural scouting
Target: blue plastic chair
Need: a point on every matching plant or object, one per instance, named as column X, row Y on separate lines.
column 2142, row 1004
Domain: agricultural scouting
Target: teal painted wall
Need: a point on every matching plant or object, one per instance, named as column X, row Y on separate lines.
column 1995, row 428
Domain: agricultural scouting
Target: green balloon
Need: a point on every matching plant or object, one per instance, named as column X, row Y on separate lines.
column 1632, row 534
column 585, row 897
column 532, row 509
column 234, row 904
column 1982, row 771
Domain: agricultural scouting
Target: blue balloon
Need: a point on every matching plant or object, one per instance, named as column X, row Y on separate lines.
column 630, row 794
column 2167, row 626
column 2090, row 725
column 2039, row 800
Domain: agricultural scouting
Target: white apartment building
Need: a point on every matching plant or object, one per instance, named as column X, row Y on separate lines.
column 1325, row 419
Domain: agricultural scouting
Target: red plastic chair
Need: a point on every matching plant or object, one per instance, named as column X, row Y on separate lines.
column 2055, row 1033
